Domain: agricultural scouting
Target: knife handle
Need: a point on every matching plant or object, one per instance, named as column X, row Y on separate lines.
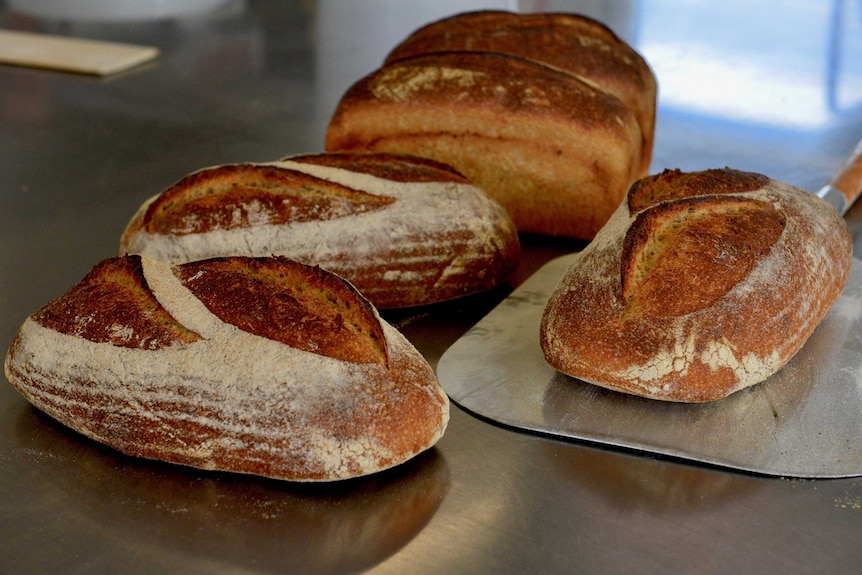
column 848, row 180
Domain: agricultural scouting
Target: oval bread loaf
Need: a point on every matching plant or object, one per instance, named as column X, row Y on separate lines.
column 405, row 231
column 250, row 365
column 701, row 284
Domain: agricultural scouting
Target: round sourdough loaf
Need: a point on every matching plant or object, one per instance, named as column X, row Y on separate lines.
column 250, row 365
column 405, row 231
column 700, row 284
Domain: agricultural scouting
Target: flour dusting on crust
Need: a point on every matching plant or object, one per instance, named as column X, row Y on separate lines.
column 739, row 339
column 438, row 240
column 233, row 400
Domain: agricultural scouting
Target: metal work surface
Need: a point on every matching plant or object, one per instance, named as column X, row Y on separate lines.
column 805, row 421
column 742, row 84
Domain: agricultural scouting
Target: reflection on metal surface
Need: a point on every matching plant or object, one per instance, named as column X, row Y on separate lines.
column 637, row 482
column 804, row 421
column 249, row 522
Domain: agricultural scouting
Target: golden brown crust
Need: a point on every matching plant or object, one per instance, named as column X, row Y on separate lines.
column 240, row 397
column 113, row 304
column 405, row 231
column 706, row 243
column 222, row 198
column 491, row 82
column 468, row 31
column 697, row 296
column 676, row 184
column 298, row 305
column 557, row 153
column 570, row 42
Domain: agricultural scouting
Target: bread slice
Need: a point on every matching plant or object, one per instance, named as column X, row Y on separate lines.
column 249, row 365
column 701, row 284
column 405, row 231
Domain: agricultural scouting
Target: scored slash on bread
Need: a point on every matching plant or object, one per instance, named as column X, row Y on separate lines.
column 701, row 284
column 688, row 231
column 243, row 195
column 263, row 366
column 707, row 243
column 405, row 231
column 303, row 307
column 128, row 315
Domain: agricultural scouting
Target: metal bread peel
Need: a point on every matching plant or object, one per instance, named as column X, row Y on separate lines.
column 805, row 421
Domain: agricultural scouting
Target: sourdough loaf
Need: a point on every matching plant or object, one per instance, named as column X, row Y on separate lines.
column 701, row 284
column 250, row 365
column 571, row 42
column 557, row 148
column 405, row 231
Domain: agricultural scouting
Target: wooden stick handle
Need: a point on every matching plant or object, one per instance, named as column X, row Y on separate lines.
column 848, row 180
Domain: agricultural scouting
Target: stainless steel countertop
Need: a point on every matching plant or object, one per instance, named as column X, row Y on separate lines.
column 761, row 86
